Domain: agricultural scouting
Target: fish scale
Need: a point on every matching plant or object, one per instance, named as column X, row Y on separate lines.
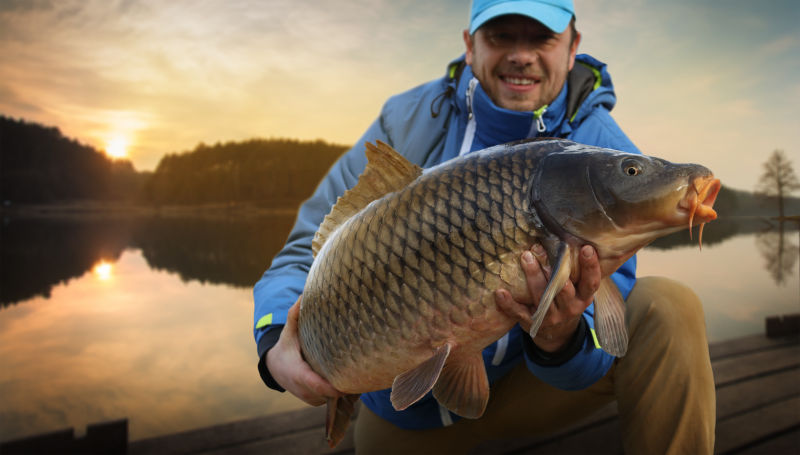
column 412, row 273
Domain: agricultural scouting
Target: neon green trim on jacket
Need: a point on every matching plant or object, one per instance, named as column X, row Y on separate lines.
column 598, row 80
column 594, row 337
column 264, row 321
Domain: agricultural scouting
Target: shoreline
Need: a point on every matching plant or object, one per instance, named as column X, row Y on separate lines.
column 126, row 209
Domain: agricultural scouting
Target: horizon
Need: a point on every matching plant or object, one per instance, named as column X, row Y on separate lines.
column 710, row 83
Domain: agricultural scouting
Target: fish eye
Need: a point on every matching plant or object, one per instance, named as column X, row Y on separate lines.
column 631, row 168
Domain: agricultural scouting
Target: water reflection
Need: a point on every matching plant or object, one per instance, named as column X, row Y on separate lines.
column 779, row 251
column 108, row 340
column 40, row 253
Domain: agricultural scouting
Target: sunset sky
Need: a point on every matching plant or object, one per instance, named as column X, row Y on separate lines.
column 715, row 82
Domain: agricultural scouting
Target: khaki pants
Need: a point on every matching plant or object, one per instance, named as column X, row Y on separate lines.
column 664, row 389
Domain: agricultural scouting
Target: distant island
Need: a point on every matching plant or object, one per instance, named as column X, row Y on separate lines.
column 38, row 165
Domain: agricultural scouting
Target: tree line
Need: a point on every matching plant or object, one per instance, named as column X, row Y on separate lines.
column 274, row 172
column 39, row 165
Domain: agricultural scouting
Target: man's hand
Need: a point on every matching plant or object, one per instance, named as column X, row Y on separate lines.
column 287, row 366
column 564, row 314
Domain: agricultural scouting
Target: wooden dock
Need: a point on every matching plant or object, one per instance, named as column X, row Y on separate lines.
column 758, row 411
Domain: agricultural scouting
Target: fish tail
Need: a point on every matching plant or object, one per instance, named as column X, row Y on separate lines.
column 340, row 412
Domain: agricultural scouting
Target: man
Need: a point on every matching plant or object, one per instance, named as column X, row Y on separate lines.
column 520, row 77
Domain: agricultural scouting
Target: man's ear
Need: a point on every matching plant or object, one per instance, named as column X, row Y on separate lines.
column 573, row 51
column 469, row 45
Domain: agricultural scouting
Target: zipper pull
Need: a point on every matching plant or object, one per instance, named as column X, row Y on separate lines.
column 473, row 83
column 539, row 116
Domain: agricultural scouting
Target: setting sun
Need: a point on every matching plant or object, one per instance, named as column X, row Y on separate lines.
column 117, row 147
column 103, row 270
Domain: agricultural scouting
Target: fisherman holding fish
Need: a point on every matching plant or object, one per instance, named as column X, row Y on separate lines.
column 520, row 78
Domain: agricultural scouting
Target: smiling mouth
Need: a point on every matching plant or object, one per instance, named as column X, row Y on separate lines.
column 519, row 80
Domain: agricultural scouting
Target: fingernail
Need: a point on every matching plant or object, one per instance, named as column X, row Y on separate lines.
column 527, row 257
column 587, row 251
column 500, row 295
column 538, row 249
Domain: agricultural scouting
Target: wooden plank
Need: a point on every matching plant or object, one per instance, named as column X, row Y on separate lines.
column 233, row 433
column 737, row 368
column 44, row 443
column 600, row 439
column 787, row 443
column 107, row 437
column 744, row 345
column 740, row 397
column 310, row 441
column 772, row 420
column 783, row 325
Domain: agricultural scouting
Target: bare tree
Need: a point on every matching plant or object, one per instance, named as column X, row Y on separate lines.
column 778, row 179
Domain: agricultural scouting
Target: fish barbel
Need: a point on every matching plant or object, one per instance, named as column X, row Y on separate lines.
column 401, row 290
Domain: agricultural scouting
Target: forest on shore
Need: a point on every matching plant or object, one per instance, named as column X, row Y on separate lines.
column 38, row 165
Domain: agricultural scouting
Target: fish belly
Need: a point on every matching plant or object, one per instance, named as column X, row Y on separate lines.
column 417, row 269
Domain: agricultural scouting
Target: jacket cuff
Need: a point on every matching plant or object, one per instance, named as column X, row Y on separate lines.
column 558, row 358
column 268, row 340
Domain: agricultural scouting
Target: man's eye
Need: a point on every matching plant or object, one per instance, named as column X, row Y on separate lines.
column 501, row 39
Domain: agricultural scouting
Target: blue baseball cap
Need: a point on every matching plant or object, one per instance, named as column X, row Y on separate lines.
column 554, row 14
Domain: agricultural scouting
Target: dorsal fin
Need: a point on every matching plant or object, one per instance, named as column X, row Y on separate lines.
column 387, row 171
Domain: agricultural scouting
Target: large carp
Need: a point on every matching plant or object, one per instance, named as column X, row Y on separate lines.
column 401, row 290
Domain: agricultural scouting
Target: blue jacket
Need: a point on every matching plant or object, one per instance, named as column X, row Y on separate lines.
column 429, row 125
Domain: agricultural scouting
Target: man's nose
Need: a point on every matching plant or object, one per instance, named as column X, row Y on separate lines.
column 522, row 53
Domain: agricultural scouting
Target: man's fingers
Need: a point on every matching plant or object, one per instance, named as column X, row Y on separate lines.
column 294, row 313
column 590, row 273
column 319, row 389
column 534, row 276
column 514, row 309
column 540, row 254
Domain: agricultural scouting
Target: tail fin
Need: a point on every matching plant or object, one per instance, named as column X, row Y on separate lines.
column 340, row 411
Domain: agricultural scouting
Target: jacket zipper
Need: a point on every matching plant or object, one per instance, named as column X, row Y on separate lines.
column 469, row 133
column 539, row 117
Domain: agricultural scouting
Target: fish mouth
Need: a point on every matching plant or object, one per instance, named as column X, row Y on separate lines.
column 698, row 202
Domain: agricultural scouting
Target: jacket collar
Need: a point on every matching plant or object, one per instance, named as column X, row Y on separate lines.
column 496, row 125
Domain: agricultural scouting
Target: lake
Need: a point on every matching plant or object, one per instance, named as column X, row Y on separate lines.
column 149, row 318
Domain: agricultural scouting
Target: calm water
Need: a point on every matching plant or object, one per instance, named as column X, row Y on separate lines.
column 149, row 318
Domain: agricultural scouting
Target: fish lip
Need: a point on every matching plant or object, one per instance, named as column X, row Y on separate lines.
column 698, row 202
column 700, row 198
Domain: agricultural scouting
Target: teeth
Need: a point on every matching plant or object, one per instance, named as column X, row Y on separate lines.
column 519, row 81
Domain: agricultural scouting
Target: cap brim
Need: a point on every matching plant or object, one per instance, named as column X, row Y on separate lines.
column 553, row 17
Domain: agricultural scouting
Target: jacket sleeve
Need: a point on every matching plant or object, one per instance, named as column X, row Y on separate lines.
column 280, row 286
column 583, row 362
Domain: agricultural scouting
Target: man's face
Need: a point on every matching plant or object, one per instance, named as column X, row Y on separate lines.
column 521, row 64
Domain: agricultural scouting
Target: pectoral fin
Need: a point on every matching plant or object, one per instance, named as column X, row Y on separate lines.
column 412, row 385
column 560, row 276
column 609, row 319
column 463, row 386
column 340, row 411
